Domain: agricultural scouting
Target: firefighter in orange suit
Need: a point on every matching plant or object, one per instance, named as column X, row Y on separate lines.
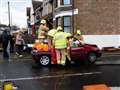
column 42, row 32
column 79, row 37
column 60, row 44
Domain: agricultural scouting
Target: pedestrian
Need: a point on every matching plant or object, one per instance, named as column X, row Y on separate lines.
column 5, row 41
column 12, row 42
column 19, row 44
column 60, row 44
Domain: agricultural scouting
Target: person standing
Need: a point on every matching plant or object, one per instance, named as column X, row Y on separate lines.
column 5, row 41
column 68, row 37
column 12, row 43
column 51, row 34
column 19, row 44
column 79, row 37
column 60, row 44
column 42, row 32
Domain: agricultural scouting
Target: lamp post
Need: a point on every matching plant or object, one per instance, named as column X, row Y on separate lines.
column 9, row 15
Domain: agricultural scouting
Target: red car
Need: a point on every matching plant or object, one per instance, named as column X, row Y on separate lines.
column 87, row 53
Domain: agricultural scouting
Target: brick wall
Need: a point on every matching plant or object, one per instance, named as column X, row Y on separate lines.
column 97, row 17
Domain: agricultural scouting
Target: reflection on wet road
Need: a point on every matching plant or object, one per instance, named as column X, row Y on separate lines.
column 29, row 77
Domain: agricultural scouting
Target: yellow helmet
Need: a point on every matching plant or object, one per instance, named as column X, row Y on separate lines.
column 43, row 21
column 78, row 32
column 36, row 41
column 52, row 32
column 59, row 28
column 68, row 35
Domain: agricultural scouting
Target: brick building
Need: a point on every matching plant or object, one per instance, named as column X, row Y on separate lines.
column 43, row 10
column 98, row 20
column 92, row 17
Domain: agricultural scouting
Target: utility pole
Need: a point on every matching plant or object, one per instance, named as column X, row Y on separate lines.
column 9, row 15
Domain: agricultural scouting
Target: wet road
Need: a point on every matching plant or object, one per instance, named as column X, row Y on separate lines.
column 58, row 78
column 30, row 77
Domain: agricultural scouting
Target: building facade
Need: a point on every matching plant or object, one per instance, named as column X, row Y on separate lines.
column 47, row 12
column 98, row 20
column 63, row 12
column 92, row 17
column 43, row 10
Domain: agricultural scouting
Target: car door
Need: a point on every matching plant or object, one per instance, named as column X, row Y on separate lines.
column 78, row 52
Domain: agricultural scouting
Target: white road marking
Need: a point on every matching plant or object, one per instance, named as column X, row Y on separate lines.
column 110, row 55
column 44, row 77
column 115, row 88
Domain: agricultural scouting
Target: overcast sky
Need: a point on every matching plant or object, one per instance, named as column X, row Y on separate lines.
column 18, row 11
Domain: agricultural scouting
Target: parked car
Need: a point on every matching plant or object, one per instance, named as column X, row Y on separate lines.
column 87, row 53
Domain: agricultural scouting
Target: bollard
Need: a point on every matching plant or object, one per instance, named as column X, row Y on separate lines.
column 8, row 85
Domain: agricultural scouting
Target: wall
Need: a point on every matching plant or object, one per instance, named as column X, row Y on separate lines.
column 98, row 17
column 103, row 40
column 47, row 8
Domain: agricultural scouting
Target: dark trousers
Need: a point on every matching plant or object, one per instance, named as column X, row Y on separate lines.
column 11, row 47
column 19, row 49
column 5, row 53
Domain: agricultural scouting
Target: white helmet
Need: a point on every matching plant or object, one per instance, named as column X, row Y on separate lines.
column 59, row 28
column 43, row 21
column 79, row 32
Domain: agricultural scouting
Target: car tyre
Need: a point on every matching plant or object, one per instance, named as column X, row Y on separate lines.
column 92, row 57
column 44, row 60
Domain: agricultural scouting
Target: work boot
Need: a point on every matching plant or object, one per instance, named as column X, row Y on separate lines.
column 20, row 55
column 63, row 62
column 58, row 62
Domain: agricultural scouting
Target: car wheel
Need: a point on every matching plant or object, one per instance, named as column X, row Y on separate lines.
column 44, row 60
column 92, row 57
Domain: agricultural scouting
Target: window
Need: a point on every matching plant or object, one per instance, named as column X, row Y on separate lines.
column 67, row 24
column 59, row 20
column 55, row 2
column 58, row 3
column 66, row 2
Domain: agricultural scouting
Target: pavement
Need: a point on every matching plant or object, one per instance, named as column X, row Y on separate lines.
column 14, row 57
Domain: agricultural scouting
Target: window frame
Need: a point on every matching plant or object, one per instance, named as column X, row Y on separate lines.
column 66, row 4
column 67, row 26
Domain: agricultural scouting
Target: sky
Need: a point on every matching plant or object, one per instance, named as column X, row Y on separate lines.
column 18, row 12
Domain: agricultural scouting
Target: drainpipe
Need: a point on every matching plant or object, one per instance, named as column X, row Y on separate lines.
column 73, row 17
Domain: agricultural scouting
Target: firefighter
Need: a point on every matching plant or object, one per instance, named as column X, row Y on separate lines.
column 51, row 34
column 60, row 44
column 42, row 32
column 78, row 36
column 68, row 37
